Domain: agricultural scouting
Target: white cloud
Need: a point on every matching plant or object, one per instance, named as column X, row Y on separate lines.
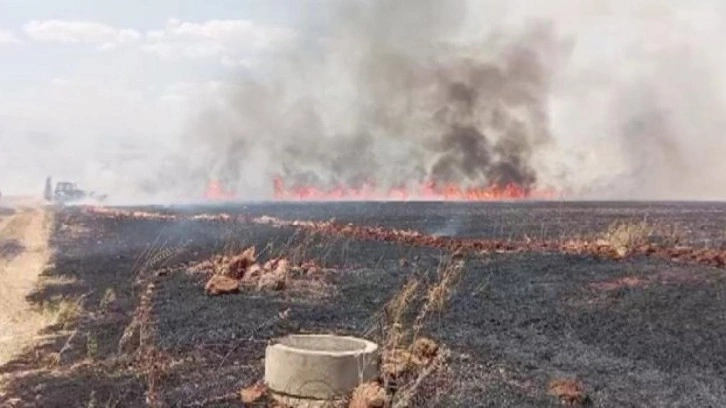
column 80, row 32
column 232, row 43
column 215, row 38
column 59, row 82
column 238, row 32
column 6, row 37
column 184, row 49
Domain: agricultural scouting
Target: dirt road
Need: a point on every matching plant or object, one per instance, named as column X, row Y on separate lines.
column 24, row 232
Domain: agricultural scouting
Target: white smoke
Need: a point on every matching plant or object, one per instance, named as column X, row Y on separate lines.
column 632, row 97
column 626, row 95
column 636, row 111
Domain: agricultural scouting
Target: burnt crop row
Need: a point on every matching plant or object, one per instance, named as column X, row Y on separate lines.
column 530, row 321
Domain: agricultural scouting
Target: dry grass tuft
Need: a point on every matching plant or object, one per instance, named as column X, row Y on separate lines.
column 398, row 362
column 396, row 310
column 369, row 395
column 254, row 394
column 625, row 237
column 569, row 391
column 64, row 312
column 108, row 301
column 440, row 292
column 407, row 358
column 91, row 346
column 424, row 349
column 671, row 235
column 68, row 312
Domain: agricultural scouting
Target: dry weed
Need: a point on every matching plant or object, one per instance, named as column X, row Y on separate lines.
column 625, row 237
column 91, row 346
column 108, row 301
column 64, row 311
column 408, row 391
column 253, row 394
column 424, row 349
column 439, row 293
column 396, row 310
column 671, row 235
column 369, row 395
column 408, row 359
column 398, row 362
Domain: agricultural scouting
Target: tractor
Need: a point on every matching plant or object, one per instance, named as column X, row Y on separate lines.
column 66, row 192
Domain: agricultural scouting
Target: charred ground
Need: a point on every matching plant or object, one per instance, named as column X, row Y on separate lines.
column 638, row 331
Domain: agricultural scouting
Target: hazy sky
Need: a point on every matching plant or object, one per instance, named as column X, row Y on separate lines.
column 88, row 74
column 95, row 90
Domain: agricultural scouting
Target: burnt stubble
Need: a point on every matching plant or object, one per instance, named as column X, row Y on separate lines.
column 638, row 331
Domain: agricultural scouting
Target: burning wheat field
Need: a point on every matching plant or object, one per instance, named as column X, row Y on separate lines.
column 522, row 304
column 463, row 203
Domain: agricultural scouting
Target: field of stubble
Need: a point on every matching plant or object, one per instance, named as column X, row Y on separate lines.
column 625, row 300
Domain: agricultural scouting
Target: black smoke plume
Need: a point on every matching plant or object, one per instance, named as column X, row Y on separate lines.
column 390, row 96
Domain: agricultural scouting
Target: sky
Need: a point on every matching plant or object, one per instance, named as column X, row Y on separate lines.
column 93, row 75
column 97, row 91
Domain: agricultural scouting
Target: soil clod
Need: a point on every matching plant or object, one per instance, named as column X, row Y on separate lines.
column 570, row 392
column 221, row 285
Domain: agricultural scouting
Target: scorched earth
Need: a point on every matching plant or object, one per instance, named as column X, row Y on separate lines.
column 513, row 304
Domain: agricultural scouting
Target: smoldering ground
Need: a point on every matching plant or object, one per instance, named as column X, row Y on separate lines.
column 477, row 93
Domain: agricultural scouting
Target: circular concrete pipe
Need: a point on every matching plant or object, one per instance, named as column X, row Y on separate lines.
column 322, row 367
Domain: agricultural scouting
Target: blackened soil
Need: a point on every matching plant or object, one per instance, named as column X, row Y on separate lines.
column 641, row 332
column 703, row 223
column 546, row 316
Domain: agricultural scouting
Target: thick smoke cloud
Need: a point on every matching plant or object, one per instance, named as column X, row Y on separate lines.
column 391, row 96
column 613, row 99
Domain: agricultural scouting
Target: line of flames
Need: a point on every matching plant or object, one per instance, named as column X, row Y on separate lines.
column 369, row 192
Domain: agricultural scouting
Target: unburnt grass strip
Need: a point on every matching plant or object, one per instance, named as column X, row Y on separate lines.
column 75, row 362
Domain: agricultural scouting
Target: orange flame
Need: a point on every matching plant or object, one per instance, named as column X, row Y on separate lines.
column 428, row 191
column 216, row 192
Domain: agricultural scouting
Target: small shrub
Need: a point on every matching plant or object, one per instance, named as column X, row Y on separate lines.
column 369, row 395
column 409, row 360
column 625, row 237
column 108, row 300
column 64, row 311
